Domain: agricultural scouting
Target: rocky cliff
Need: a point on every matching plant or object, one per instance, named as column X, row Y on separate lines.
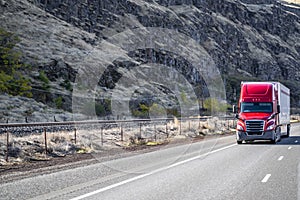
column 122, row 54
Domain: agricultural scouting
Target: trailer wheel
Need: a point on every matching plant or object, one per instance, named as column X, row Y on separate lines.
column 279, row 138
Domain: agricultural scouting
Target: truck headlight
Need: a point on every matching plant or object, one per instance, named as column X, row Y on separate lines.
column 271, row 127
column 239, row 128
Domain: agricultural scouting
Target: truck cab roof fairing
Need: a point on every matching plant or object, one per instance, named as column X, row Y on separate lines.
column 256, row 92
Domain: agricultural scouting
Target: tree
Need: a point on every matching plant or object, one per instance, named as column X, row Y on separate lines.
column 11, row 79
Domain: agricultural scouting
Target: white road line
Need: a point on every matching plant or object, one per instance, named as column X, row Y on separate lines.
column 290, row 147
column 280, row 158
column 266, row 178
column 298, row 182
column 149, row 174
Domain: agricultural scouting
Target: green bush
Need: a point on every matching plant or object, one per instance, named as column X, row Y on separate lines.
column 11, row 79
column 141, row 112
column 45, row 81
column 213, row 105
column 173, row 112
column 99, row 109
column 58, row 102
column 67, row 85
column 43, row 77
column 156, row 110
column 4, row 81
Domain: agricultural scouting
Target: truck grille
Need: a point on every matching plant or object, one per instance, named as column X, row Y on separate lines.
column 255, row 127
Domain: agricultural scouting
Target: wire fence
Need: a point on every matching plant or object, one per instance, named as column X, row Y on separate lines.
column 27, row 140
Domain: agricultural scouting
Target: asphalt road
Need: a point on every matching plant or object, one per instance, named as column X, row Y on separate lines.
column 216, row 168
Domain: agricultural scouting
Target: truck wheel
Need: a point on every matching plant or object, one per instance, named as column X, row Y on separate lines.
column 277, row 136
column 239, row 142
column 273, row 141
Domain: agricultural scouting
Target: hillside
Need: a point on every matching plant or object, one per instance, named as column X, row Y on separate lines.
column 147, row 57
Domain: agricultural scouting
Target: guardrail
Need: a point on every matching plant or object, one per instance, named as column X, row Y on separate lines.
column 22, row 129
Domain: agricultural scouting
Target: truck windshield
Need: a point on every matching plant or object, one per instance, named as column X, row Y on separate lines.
column 256, row 107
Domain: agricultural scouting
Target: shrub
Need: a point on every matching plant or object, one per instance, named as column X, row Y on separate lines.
column 157, row 111
column 58, row 102
column 67, row 85
column 173, row 112
column 45, row 81
column 142, row 111
column 11, row 79
column 214, row 106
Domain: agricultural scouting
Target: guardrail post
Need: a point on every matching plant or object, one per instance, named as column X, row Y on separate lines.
column 180, row 126
column 155, row 136
column 75, row 135
column 102, row 140
column 167, row 130
column 7, row 146
column 122, row 134
column 45, row 137
column 140, row 130
column 189, row 125
column 228, row 124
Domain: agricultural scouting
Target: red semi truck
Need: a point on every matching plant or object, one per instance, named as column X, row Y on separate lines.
column 263, row 112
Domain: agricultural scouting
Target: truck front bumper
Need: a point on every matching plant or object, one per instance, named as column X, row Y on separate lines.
column 268, row 135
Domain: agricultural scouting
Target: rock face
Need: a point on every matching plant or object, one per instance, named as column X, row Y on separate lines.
column 98, row 47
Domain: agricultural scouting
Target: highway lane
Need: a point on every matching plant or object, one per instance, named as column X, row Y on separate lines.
column 213, row 169
column 235, row 173
column 102, row 174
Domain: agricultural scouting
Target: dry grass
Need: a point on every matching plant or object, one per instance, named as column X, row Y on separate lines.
column 293, row 1
column 32, row 147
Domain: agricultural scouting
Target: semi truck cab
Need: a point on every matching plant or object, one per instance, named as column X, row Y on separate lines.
column 263, row 112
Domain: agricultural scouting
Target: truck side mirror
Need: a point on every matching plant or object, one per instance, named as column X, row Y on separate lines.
column 278, row 109
column 237, row 116
column 234, row 110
